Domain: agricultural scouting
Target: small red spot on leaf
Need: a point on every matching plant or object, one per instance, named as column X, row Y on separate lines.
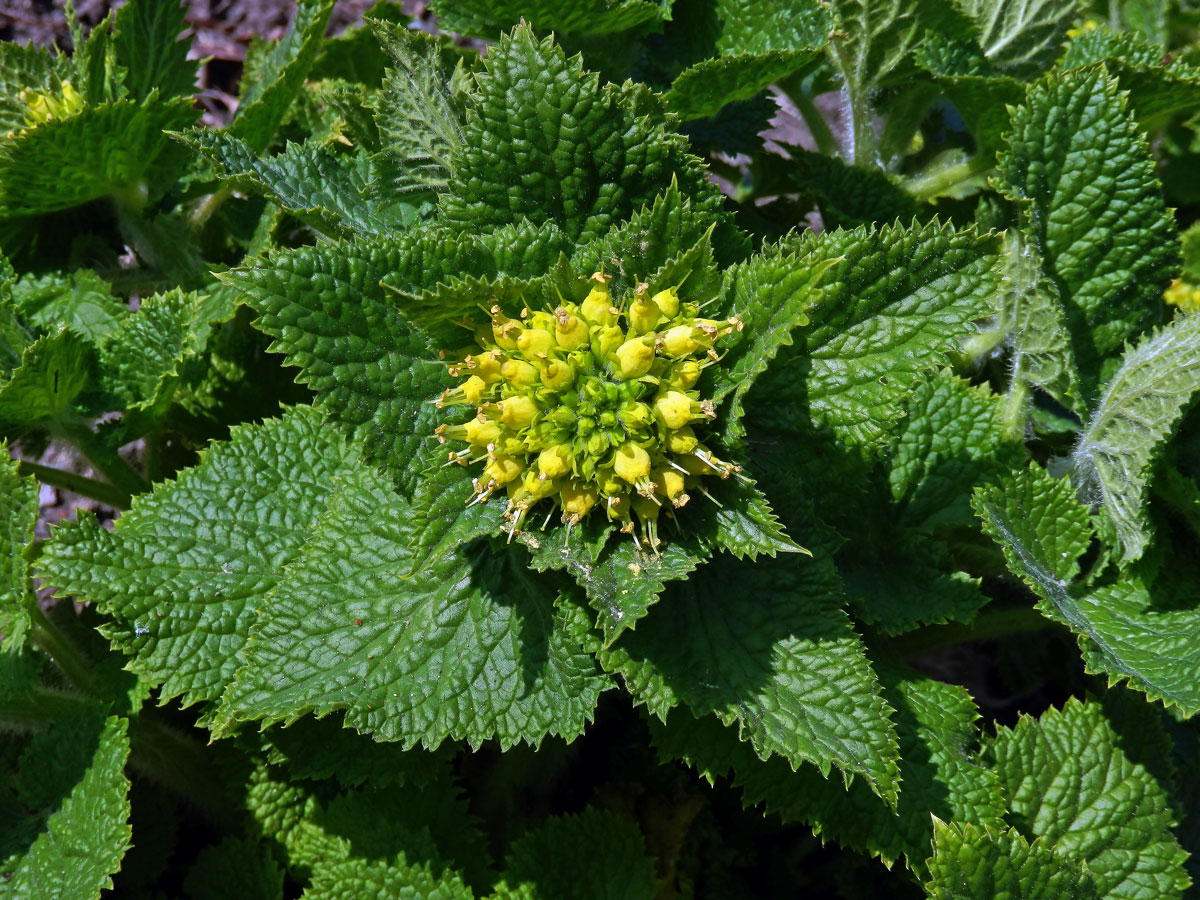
column 358, row 621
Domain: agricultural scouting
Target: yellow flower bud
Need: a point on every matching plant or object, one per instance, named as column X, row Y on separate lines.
column 643, row 312
column 504, row 330
column 674, row 409
column 668, row 302
column 473, row 389
column 557, row 374
column 597, row 306
column 520, row 373
column 517, row 412
column 577, row 500
column 679, row 341
column 570, row 331
column 486, row 366
column 682, row 440
column 631, row 463
column 501, row 468
column 606, row 339
column 535, row 342
column 554, row 462
column 632, row 359
column 685, row 374
column 670, row 484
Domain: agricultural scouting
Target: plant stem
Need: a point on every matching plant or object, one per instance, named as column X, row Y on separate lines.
column 827, row 144
column 1013, row 414
column 178, row 762
column 987, row 625
column 43, row 708
column 80, row 484
column 208, row 205
column 107, row 461
column 937, row 182
column 59, row 649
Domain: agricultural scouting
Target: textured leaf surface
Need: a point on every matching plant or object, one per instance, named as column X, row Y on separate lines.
column 939, row 773
column 72, row 792
column 1040, row 344
column 1137, row 413
column 18, row 515
column 1122, row 631
column 187, row 567
column 1023, row 38
column 472, row 647
column 80, row 301
column 101, row 151
column 265, row 103
column 352, row 879
column 893, row 305
column 483, row 18
column 951, row 441
column 547, row 141
column 145, row 39
column 769, row 647
column 417, row 114
column 325, row 190
column 590, row 856
column 1070, row 784
column 53, row 372
column 1093, row 209
column 746, row 45
column 25, row 67
column 970, row 863
column 329, row 316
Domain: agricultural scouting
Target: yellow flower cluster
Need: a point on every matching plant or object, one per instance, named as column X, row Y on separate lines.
column 590, row 406
column 42, row 108
column 1185, row 296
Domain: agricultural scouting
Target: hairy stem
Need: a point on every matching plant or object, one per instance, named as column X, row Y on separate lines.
column 934, row 184
column 826, row 143
column 106, row 460
column 1014, row 412
column 50, row 640
column 80, row 484
column 39, row 710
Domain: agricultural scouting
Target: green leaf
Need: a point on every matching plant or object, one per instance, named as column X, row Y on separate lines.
column 1023, row 39
column 25, row 67
column 472, row 647
column 1137, row 413
column 1123, row 633
column 982, row 97
column 351, row 879
column 767, row 646
column 186, row 569
column 72, row 793
column 265, row 104
column 80, row 300
column 742, row 46
column 935, row 724
column 18, row 515
column 327, row 313
column 116, row 149
column 894, row 304
column 1072, row 784
column 1038, row 339
column 1092, row 208
column 146, row 40
column 545, row 141
column 590, row 856
column 951, row 441
column 847, row 195
column 54, row 370
column 483, row 18
column 235, row 869
column 907, row 579
column 328, row 191
column 971, row 863
column 772, row 292
column 418, row 116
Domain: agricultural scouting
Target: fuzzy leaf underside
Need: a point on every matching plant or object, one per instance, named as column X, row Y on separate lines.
column 1081, row 171
column 940, row 775
column 1140, row 407
column 1021, row 38
column 970, row 863
column 785, row 664
column 328, row 315
column 894, row 303
column 1070, row 785
column 18, row 515
column 184, row 572
column 1122, row 633
column 72, row 792
column 470, row 648
column 54, row 370
column 545, row 141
